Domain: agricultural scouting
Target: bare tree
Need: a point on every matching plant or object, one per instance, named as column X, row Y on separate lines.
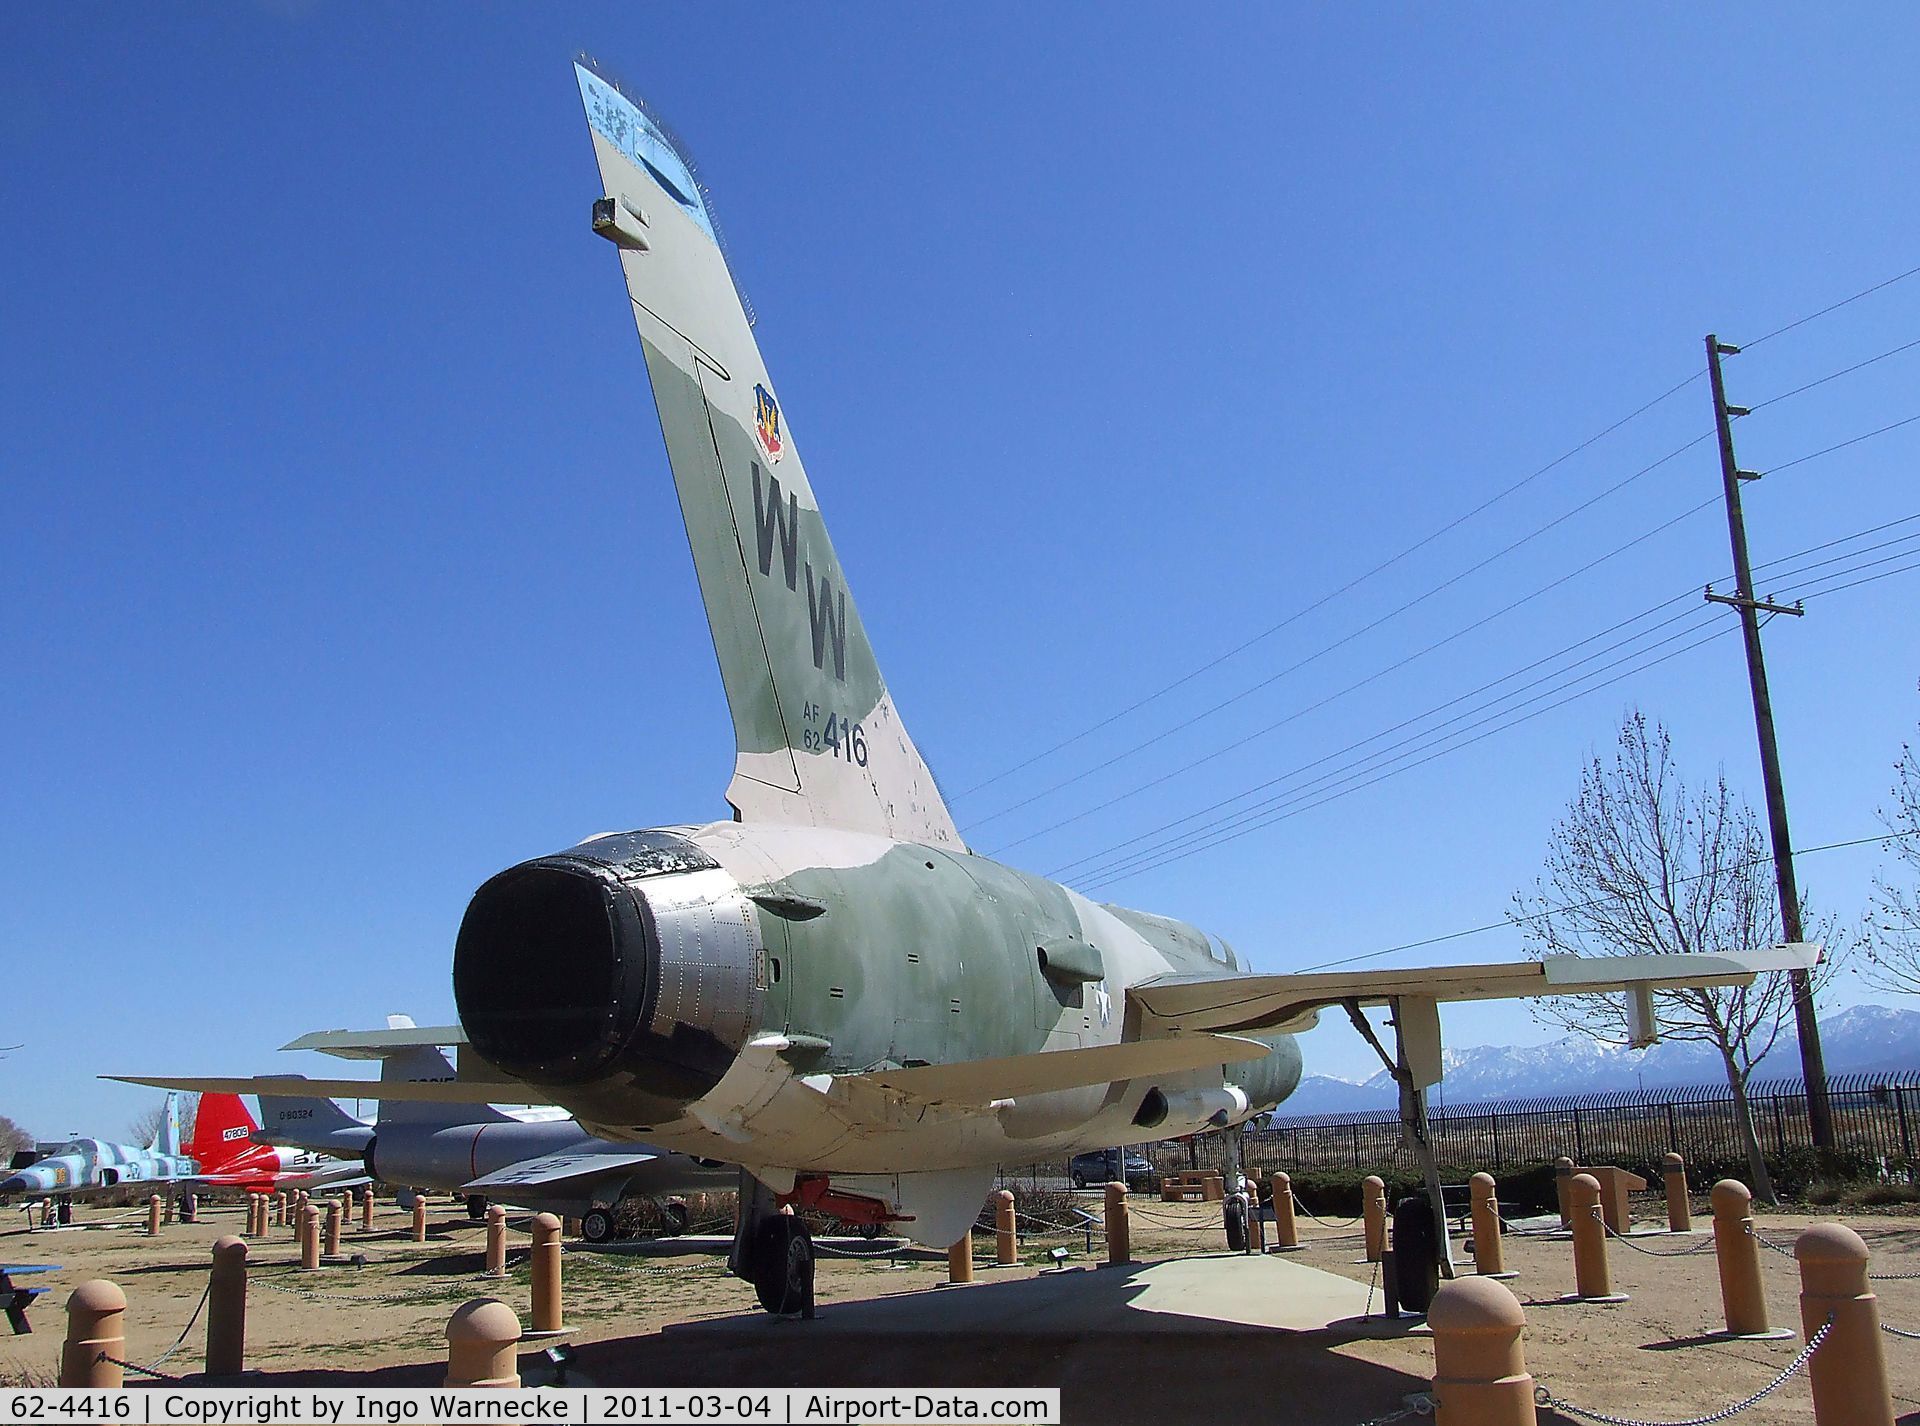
column 12, row 1139
column 1640, row 866
column 1893, row 918
column 146, row 1124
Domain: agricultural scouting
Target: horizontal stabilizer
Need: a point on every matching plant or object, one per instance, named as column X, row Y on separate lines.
column 378, row 1044
column 1243, row 1004
column 1011, row 1076
column 419, row 1092
column 552, row 1172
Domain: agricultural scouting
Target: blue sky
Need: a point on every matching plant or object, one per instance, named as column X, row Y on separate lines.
column 342, row 569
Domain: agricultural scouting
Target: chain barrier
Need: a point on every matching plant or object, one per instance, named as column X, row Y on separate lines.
column 136, row 1367
column 828, row 1249
column 1892, row 1330
column 1420, row 1405
column 1324, row 1223
column 1700, row 1246
column 1543, row 1397
column 1764, row 1241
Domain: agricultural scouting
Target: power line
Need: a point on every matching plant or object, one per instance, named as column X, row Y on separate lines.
column 1272, row 727
column 1834, row 375
column 1285, row 805
column 1797, row 571
column 1854, row 441
column 1834, row 307
column 1331, row 595
column 1507, row 922
column 1288, row 805
column 1277, row 809
column 1348, row 638
column 1420, row 544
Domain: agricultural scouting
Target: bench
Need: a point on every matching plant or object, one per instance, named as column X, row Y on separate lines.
column 1615, row 1185
column 1192, row 1186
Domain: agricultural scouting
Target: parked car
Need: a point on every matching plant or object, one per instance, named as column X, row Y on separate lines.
column 1102, row 1166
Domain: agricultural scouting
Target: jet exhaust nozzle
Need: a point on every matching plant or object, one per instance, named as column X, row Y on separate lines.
column 561, row 980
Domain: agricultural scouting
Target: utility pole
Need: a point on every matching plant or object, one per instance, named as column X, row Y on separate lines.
column 1813, row 1066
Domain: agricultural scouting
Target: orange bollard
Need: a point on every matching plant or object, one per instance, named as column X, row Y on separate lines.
column 227, row 1309
column 546, row 1273
column 310, row 1238
column 960, row 1260
column 366, row 1210
column 1005, row 1248
column 1256, row 1220
column 1738, row 1253
column 1849, row 1372
column 1119, row 1226
column 1489, row 1256
column 496, row 1241
column 1286, row 1231
column 482, row 1338
column 335, row 1216
column 280, row 1210
column 1480, row 1373
column 153, row 1215
column 1592, row 1277
column 168, row 1201
column 571, row 1226
column 96, row 1329
column 1373, row 1209
column 1673, row 1169
column 419, row 1219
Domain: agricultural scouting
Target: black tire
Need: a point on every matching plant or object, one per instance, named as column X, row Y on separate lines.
column 1416, row 1253
column 783, row 1266
column 596, row 1225
column 477, row 1207
column 674, row 1220
column 1235, row 1213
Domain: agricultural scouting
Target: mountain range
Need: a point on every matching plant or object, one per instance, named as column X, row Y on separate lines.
column 1862, row 1039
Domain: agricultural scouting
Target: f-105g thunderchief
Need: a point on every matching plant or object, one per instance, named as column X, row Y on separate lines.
column 829, row 988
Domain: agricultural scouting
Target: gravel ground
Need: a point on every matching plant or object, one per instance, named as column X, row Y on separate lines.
column 1650, row 1357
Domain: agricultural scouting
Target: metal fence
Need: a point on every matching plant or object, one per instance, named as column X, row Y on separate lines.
column 1875, row 1114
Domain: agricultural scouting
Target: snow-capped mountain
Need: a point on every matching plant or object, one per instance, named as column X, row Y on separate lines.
column 1861, row 1039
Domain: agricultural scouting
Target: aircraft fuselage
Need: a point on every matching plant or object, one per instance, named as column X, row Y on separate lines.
column 704, row 987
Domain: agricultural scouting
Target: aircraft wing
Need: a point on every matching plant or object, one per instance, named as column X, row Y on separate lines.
column 553, row 1173
column 377, row 1044
column 1010, row 1076
column 445, row 1091
column 1242, row 1004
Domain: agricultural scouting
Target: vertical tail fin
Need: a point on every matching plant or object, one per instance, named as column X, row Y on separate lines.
column 309, row 1122
column 166, row 1138
column 222, row 1131
column 425, row 1064
column 817, row 739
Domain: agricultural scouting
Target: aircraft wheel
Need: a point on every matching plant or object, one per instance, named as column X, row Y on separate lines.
column 477, row 1207
column 1236, row 1220
column 783, row 1266
column 675, row 1220
column 596, row 1225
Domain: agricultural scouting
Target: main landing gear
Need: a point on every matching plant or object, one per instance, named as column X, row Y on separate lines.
column 772, row 1246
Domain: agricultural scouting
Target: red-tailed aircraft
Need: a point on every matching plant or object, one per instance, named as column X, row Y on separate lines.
column 223, row 1145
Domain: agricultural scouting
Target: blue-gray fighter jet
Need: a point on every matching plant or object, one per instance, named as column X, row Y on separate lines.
column 83, row 1166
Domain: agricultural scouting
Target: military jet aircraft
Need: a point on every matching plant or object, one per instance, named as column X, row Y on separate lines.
column 549, row 1165
column 224, row 1148
column 86, row 1166
column 829, row 988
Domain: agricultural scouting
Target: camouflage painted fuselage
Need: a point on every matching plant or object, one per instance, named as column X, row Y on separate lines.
column 723, row 982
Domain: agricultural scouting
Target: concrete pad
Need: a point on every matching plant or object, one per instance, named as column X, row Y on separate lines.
column 1221, row 1293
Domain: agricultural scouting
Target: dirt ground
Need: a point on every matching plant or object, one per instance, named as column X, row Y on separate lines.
column 637, row 1320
